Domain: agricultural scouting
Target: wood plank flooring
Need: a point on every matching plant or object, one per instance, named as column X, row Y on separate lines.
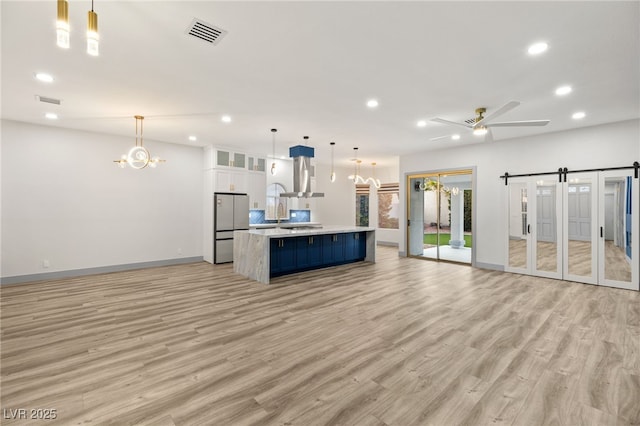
column 400, row 342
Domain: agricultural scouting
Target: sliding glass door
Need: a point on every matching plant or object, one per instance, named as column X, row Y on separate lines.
column 440, row 211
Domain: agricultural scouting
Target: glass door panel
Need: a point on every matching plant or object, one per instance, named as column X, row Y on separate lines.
column 432, row 217
column 580, row 224
column 547, row 235
column 455, row 237
column 618, row 230
column 416, row 222
column 518, row 232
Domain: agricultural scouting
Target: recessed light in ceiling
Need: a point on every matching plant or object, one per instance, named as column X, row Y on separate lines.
column 193, row 138
column 47, row 78
column 563, row 90
column 372, row 103
column 421, row 123
column 51, row 116
column 455, row 137
column 578, row 115
column 537, row 48
column 226, row 119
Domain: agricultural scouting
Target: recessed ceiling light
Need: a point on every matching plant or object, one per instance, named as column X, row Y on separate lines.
column 578, row 115
column 193, row 138
column 421, row 123
column 537, row 48
column 47, row 78
column 563, row 90
column 51, row 116
column 455, row 137
column 372, row 103
column 226, row 119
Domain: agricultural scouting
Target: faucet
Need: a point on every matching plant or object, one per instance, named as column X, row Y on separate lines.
column 279, row 212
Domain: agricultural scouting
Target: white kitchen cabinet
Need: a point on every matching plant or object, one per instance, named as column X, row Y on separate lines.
column 226, row 180
column 256, row 164
column 257, row 190
column 225, row 158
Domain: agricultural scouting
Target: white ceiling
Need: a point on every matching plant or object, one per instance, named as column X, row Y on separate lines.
column 308, row 68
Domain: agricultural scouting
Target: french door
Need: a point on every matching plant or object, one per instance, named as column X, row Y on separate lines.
column 585, row 229
column 534, row 241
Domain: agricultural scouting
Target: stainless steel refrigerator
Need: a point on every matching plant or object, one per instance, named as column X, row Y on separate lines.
column 230, row 213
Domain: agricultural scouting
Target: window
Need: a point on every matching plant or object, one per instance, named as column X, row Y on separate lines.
column 388, row 205
column 276, row 205
column 362, row 205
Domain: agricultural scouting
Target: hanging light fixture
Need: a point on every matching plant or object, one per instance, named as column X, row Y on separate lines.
column 138, row 156
column 373, row 180
column 355, row 177
column 92, row 32
column 62, row 24
column 332, row 176
column 273, row 146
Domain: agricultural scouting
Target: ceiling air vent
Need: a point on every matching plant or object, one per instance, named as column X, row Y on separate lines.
column 207, row 32
column 48, row 100
column 470, row 121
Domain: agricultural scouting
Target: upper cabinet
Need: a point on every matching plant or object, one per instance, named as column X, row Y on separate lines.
column 256, row 164
column 230, row 159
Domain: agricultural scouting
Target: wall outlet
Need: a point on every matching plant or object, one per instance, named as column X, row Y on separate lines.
column 45, row 263
column 307, row 205
column 179, row 251
column 255, row 204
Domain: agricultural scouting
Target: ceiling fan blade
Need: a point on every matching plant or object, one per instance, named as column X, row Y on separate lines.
column 440, row 137
column 520, row 123
column 453, row 123
column 505, row 108
column 489, row 136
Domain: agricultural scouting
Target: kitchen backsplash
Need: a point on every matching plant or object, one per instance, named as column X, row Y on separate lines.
column 257, row 217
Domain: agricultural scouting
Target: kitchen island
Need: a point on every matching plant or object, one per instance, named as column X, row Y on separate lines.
column 262, row 254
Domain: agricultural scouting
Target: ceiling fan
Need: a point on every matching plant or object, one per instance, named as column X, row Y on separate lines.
column 481, row 125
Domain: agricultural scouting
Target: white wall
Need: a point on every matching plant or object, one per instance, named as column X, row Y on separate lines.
column 65, row 201
column 611, row 145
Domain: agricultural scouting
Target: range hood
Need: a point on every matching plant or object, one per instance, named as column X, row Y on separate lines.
column 302, row 156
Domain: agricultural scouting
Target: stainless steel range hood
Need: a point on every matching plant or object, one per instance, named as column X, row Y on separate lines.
column 302, row 156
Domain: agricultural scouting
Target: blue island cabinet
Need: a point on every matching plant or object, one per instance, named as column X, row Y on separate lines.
column 309, row 252
column 333, row 249
column 283, row 256
column 355, row 246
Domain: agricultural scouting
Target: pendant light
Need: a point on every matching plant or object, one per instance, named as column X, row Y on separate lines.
column 62, row 24
column 332, row 176
column 356, row 169
column 92, row 32
column 273, row 145
column 374, row 181
column 138, row 156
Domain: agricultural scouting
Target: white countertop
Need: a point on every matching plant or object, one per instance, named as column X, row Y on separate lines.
column 283, row 225
column 283, row 232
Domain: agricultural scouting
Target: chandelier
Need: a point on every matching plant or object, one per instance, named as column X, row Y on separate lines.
column 138, row 156
column 357, row 178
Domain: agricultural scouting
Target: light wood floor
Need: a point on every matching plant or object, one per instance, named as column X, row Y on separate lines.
column 615, row 264
column 399, row 342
